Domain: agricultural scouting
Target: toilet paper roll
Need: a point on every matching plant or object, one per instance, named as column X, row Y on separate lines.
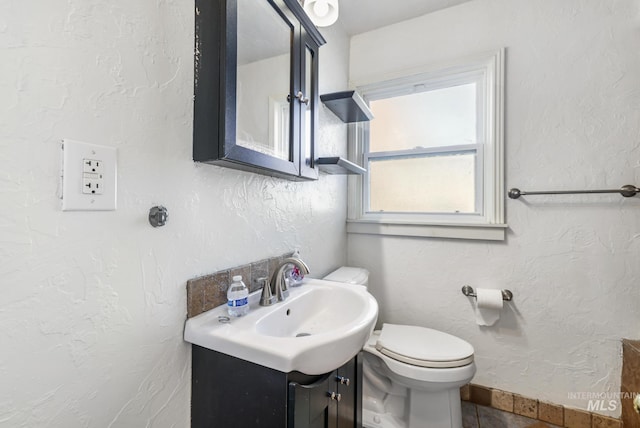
column 488, row 306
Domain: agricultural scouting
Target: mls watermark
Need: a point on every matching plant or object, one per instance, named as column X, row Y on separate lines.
column 602, row 401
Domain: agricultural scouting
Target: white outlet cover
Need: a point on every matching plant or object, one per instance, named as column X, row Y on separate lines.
column 73, row 199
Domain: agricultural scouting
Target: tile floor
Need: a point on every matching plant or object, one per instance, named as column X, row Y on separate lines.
column 476, row 416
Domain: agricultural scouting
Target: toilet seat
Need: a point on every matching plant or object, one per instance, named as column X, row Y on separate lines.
column 423, row 347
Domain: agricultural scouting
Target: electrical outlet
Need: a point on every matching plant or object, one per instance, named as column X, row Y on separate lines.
column 89, row 181
column 92, row 166
column 92, row 184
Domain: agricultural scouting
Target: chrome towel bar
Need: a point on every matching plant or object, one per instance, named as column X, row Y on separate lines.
column 468, row 291
column 627, row 191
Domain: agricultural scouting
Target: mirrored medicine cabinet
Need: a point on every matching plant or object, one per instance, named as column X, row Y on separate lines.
column 256, row 87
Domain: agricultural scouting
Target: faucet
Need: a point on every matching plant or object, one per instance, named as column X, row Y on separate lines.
column 277, row 284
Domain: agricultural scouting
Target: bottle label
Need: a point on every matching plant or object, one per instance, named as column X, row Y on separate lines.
column 238, row 302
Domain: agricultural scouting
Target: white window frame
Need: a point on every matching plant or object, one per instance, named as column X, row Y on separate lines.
column 488, row 223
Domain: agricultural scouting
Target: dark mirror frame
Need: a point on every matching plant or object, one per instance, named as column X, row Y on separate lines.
column 308, row 167
column 214, row 122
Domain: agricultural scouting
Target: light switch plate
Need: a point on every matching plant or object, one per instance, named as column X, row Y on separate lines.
column 79, row 177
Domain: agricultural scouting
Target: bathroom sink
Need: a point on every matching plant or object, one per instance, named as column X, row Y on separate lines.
column 321, row 326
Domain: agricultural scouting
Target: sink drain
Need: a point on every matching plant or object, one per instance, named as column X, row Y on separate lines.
column 303, row 334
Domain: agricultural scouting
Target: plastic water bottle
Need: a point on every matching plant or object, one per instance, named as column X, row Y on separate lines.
column 238, row 298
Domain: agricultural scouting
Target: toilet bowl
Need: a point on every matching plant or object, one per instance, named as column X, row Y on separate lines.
column 411, row 375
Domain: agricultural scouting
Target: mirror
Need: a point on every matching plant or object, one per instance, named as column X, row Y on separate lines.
column 263, row 79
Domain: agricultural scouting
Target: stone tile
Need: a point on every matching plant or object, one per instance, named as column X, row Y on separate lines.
column 195, row 297
column 630, row 381
column 215, row 289
column 630, row 365
column 465, row 393
column 551, row 413
column 488, row 417
column 539, row 424
column 494, row 418
column 632, row 343
column 574, row 418
column 480, row 395
column 525, row 406
column 599, row 421
column 502, row 400
column 469, row 415
column 630, row 419
column 258, row 270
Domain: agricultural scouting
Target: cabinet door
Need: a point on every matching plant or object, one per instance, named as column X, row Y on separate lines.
column 311, row 406
column 309, row 105
column 228, row 392
column 266, row 59
column 246, row 55
column 348, row 384
column 249, row 89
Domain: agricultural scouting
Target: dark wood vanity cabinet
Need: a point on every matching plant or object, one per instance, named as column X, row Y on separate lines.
column 232, row 393
column 256, row 87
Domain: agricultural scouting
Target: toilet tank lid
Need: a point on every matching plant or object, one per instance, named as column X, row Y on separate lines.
column 349, row 275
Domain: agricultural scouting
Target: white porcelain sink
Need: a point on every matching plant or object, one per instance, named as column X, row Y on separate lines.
column 321, row 326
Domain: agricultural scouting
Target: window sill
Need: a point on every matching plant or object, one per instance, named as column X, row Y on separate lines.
column 486, row 232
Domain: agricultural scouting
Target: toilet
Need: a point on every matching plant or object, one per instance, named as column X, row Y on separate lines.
column 411, row 375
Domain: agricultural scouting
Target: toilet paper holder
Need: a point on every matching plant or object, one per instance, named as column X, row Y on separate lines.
column 468, row 291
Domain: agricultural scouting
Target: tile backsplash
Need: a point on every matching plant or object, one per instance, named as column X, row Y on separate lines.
column 207, row 292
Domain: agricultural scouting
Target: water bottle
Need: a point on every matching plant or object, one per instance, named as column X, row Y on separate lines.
column 238, row 298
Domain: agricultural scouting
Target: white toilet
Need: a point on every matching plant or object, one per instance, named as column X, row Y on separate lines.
column 412, row 375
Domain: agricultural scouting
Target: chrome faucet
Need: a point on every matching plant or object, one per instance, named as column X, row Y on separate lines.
column 276, row 289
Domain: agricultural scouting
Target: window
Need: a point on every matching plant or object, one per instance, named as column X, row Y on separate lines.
column 433, row 154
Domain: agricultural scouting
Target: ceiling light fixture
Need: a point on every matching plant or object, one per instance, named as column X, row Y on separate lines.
column 322, row 12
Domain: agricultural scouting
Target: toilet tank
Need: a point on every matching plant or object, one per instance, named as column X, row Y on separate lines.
column 349, row 275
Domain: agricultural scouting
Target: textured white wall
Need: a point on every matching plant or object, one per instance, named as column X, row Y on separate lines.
column 572, row 121
column 93, row 304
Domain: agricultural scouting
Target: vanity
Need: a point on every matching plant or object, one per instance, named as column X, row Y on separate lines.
column 233, row 393
column 295, row 364
column 256, row 87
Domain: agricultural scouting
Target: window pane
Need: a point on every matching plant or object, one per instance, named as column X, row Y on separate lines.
column 440, row 184
column 441, row 117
